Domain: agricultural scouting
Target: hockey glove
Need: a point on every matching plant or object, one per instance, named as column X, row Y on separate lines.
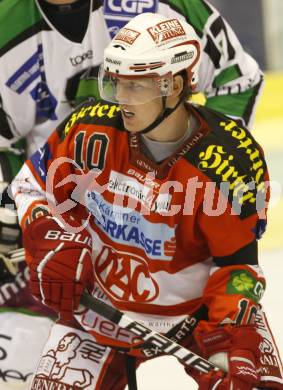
column 236, row 351
column 60, row 264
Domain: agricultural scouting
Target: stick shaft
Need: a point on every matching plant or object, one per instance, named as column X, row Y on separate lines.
column 164, row 344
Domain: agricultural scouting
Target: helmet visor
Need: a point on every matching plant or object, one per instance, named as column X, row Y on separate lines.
column 133, row 90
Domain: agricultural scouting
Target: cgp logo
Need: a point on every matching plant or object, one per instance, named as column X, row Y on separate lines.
column 119, row 12
column 129, row 7
column 125, row 276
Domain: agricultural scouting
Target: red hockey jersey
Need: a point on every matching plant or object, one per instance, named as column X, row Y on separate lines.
column 167, row 237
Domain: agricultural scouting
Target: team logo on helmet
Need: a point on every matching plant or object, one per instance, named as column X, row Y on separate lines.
column 166, row 30
column 127, row 35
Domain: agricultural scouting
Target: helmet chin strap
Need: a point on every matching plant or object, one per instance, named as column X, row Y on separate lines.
column 164, row 113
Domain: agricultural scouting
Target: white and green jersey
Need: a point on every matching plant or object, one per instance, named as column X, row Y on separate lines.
column 38, row 65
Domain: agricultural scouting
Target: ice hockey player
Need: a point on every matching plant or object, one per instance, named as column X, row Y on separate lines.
column 156, row 205
column 39, row 85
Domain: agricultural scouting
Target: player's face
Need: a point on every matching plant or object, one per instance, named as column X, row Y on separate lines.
column 139, row 103
column 140, row 116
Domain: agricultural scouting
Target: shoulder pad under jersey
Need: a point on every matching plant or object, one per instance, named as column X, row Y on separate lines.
column 92, row 112
column 230, row 156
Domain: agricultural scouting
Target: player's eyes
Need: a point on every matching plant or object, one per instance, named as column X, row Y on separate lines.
column 136, row 86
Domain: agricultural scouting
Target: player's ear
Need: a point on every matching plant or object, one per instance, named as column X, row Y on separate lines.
column 178, row 85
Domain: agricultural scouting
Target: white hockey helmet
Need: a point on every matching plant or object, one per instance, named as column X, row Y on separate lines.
column 151, row 48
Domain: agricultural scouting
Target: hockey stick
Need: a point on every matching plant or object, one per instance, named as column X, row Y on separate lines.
column 163, row 343
column 155, row 339
column 12, row 258
column 16, row 255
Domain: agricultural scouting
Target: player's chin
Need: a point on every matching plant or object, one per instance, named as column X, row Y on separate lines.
column 132, row 127
column 131, row 130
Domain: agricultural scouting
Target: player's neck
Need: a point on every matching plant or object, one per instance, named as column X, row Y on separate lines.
column 172, row 128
